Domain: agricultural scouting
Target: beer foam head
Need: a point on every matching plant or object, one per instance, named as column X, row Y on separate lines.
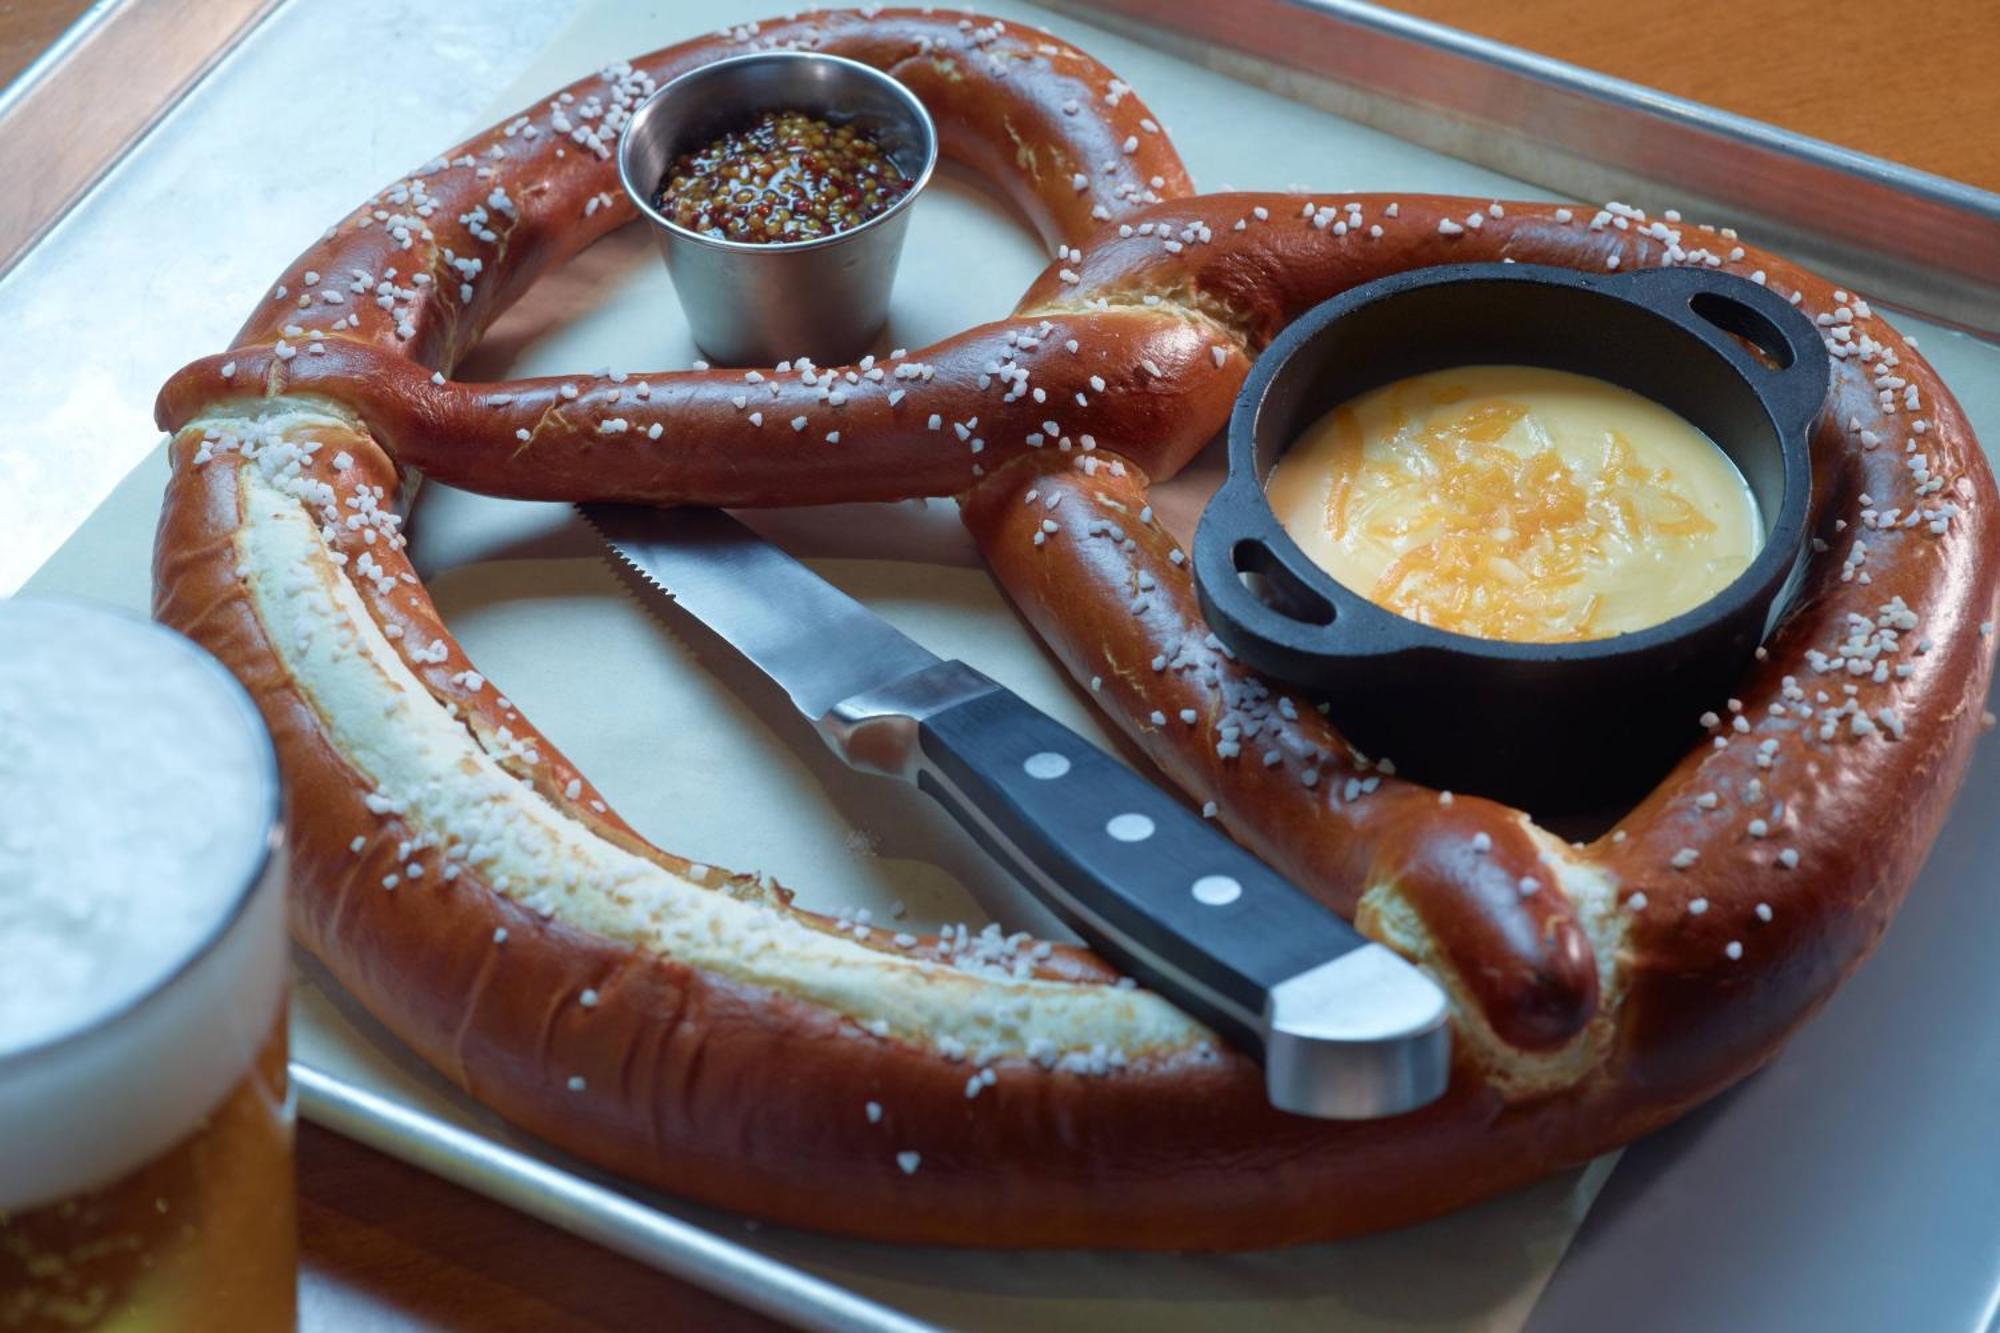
column 133, row 786
column 137, row 801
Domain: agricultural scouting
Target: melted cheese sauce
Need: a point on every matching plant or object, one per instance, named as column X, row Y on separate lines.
column 1512, row 502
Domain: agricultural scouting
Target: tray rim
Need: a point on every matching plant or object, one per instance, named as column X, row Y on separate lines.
column 517, row 1179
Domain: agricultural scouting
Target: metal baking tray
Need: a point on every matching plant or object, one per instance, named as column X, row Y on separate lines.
column 1834, row 1183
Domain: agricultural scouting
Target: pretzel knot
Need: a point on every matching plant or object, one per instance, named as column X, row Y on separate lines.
column 693, row 1029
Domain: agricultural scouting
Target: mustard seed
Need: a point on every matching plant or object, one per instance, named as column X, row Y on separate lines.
column 788, row 177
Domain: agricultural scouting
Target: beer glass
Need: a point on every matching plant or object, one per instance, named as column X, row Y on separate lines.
column 145, row 1116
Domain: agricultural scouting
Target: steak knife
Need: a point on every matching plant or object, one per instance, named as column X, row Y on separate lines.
column 1345, row 1028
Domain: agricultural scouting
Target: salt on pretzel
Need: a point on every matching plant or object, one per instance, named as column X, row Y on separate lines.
column 694, row 1030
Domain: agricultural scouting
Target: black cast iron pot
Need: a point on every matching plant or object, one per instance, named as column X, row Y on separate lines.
column 1554, row 727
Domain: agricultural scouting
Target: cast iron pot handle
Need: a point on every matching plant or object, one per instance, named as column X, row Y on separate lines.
column 1238, row 534
column 1714, row 305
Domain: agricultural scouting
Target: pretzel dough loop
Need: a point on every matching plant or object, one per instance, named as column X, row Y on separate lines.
column 693, row 1029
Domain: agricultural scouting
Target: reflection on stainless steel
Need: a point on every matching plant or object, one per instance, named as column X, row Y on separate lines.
column 101, row 86
column 750, row 303
column 566, row 1198
column 1906, row 237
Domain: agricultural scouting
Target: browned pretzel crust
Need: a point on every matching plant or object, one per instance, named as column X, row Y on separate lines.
column 693, row 1030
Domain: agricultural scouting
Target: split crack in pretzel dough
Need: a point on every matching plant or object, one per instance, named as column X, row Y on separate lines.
column 691, row 1029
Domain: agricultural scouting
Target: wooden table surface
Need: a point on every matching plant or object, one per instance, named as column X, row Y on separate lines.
column 26, row 26
column 1916, row 83
column 385, row 1247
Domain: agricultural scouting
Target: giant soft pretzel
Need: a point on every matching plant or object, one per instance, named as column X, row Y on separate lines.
column 691, row 1029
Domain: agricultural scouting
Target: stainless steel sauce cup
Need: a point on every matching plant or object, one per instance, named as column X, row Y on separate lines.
column 753, row 304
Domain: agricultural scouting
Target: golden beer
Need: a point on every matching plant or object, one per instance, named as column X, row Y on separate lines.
column 205, row 1228
column 146, row 1178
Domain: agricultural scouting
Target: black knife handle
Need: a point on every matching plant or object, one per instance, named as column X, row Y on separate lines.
column 1167, row 896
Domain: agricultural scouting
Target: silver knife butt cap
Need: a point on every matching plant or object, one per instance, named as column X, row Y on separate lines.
column 1364, row 1036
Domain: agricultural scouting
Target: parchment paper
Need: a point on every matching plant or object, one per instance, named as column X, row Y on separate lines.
column 704, row 757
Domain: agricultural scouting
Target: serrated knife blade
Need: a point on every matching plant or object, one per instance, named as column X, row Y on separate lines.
column 811, row 638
